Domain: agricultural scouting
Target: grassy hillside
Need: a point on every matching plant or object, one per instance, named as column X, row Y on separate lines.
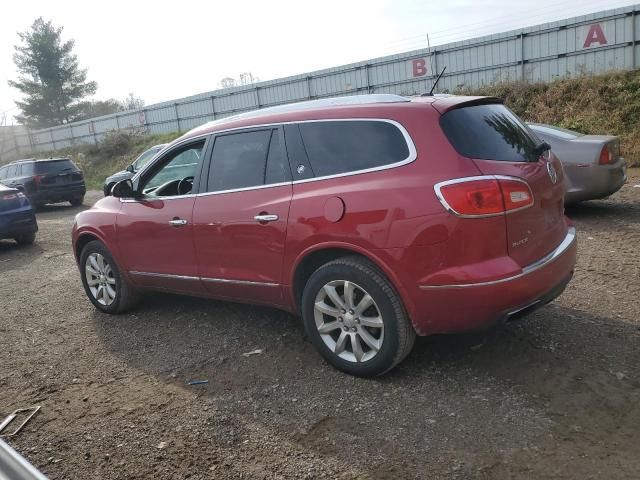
column 603, row 104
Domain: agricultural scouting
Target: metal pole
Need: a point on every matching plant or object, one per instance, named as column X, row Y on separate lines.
column 73, row 140
column 15, row 467
column 258, row 97
column 117, row 122
column 309, row 88
column 366, row 72
column 522, row 56
column 634, row 36
column 213, row 106
column 52, row 139
column 175, row 106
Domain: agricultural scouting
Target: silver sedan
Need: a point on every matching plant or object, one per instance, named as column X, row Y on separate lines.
column 593, row 165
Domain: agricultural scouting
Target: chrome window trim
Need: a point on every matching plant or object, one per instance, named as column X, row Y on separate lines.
column 413, row 154
column 569, row 239
column 437, row 189
column 204, row 279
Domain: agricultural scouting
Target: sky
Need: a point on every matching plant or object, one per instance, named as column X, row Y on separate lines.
column 161, row 50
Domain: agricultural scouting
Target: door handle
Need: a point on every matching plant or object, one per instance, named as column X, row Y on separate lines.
column 177, row 222
column 265, row 218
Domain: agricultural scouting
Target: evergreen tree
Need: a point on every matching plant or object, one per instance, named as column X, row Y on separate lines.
column 51, row 81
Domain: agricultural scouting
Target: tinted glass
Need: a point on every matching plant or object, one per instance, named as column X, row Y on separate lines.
column 3, row 172
column 489, row 132
column 341, row 146
column 277, row 165
column 239, row 160
column 177, row 165
column 54, row 166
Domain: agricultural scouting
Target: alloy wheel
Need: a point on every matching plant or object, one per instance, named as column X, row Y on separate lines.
column 100, row 279
column 349, row 321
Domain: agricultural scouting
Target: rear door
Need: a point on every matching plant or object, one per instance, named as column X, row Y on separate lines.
column 499, row 143
column 240, row 224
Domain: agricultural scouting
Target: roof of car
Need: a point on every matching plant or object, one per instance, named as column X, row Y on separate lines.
column 441, row 102
column 39, row 160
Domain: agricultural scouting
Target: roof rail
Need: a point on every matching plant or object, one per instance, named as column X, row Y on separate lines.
column 366, row 99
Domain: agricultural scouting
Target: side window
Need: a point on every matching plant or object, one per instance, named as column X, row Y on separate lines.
column 174, row 175
column 347, row 146
column 239, row 160
column 277, row 170
column 3, row 173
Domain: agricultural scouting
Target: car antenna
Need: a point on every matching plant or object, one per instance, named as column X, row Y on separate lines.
column 430, row 94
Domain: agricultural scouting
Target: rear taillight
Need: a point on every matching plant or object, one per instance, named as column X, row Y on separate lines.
column 606, row 156
column 484, row 196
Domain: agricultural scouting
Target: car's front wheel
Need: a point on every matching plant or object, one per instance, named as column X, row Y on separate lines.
column 355, row 318
column 103, row 283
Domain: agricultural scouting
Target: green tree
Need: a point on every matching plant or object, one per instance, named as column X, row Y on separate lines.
column 50, row 79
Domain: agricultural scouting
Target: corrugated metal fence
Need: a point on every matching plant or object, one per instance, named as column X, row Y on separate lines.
column 589, row 44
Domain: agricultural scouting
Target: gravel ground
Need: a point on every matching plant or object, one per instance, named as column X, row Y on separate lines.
column 555, row 395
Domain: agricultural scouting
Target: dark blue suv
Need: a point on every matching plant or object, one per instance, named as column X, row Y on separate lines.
column 46, row 181
column 17, row 219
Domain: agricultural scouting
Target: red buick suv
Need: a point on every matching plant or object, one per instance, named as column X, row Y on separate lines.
column 374, row 217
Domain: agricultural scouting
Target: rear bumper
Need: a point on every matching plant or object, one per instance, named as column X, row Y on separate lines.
column 590, row 182
column 20, row 223
column 54, row 195
column 475, row 306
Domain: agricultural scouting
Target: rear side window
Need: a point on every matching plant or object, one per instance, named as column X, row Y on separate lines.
column 54, row 166
column 347, row 146
column 3, row 172
column 247, row 159
column 489, row 132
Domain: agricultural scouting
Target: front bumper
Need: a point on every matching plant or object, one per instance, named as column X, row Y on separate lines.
column 475, row 306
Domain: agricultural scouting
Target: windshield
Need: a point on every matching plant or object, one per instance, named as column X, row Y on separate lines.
column 490, row 132
column 143, row 159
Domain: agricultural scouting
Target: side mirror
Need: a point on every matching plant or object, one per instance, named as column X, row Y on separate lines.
column 131, row 169
column 123, row 189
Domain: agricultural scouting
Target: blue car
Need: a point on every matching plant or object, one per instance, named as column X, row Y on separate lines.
column 17, row 218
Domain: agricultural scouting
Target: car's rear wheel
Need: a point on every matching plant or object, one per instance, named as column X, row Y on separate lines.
column 26, row 238
column 355, row 318
column 103, row 283
column 77, row 201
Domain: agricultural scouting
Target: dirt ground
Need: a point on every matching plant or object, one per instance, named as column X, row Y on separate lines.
column 555, row 395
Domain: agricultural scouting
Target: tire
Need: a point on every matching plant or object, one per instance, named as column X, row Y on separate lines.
column 107, row 189
column 76, row 202
column 391, row 332
column 124, row 296
column 26, row 238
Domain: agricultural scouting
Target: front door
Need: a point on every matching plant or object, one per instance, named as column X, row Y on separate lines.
column 240, row 224
column 155, row 232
